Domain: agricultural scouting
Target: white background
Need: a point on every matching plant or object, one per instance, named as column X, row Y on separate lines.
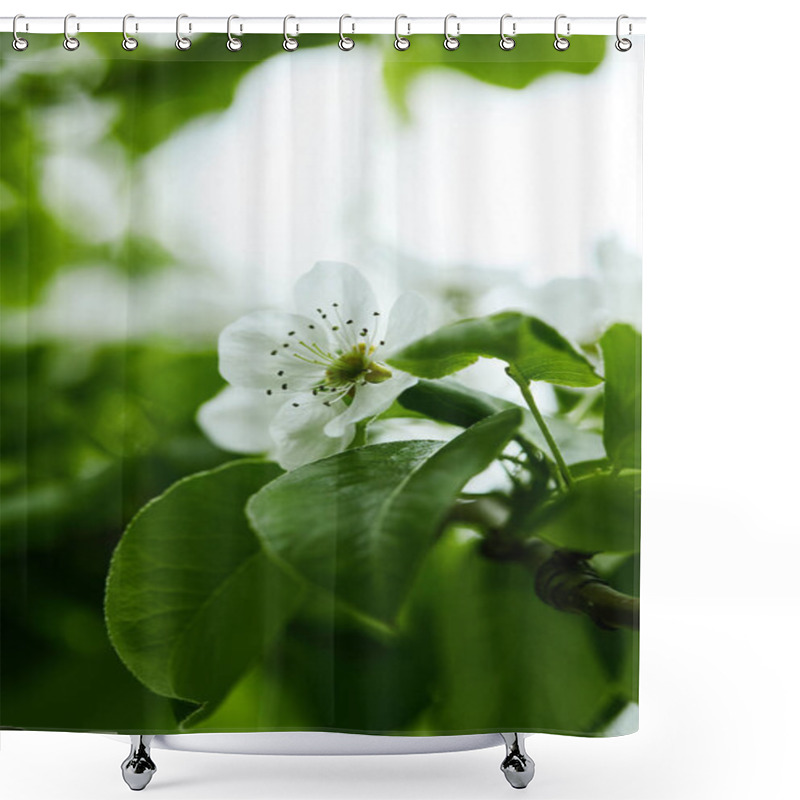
column 721, row 604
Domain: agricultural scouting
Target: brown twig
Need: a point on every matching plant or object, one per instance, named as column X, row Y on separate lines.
column 563, row 579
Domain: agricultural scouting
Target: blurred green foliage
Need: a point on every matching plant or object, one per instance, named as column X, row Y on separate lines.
column 87, row 437
column 480, row 57
column 150, row 93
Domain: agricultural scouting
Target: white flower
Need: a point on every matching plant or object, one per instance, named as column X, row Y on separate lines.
column 301, row 381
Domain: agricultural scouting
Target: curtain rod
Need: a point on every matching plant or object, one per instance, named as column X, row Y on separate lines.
column 514, row 26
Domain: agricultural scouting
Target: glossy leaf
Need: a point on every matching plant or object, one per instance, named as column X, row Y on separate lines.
column 448, row 401
column 622, row 358
column 451, row 402
column 191, row 598
column 599, row 514
column 539, row 351
column 359, row 523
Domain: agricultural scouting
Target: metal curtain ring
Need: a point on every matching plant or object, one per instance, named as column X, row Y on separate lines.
column 181, row 42
column 233, row 44
column 623, row 45
column 128, row 42
column 345, row 42
column 451, row 42
column 290, row 44
column 70, row 42
column 560, row 43
column 506, row 42
column 18, row 43
column 400, row 42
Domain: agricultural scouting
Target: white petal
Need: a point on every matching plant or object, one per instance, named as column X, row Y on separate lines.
column 257, row 348
column 298, row 432
column 370, row 400
column 332, row 282
column 238, row 420
column 408, row 321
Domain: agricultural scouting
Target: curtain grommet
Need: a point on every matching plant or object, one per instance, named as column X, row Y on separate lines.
column 451, row 42
column 70, row 43
column 234, row 43
column 181, row 42
column 18, row 43
column 507, row 42
column 290, row 44
column 401, row 43
column 622, row 44
column 346, row 43
column 128, row 42
column 561, row 44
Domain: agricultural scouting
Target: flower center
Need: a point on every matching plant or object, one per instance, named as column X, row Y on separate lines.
column 355, row 366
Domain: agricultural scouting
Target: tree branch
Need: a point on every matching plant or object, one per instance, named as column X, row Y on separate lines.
column 563, row 579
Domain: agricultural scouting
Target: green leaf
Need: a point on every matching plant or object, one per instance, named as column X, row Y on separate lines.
column 191, row 598
column 481, row 58
column 539, row 351
column 448, row 401
column 501, row 656
column 599, row 514
column 622, row 426
column 360, row 523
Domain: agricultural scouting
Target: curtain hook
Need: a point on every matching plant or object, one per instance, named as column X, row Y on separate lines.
column 290, row 44
column 181, row 42
column 128, row 42
column 623, row 45
column 451, row 42
column 70, row 42
column 560, row 42
column 233, row 44
column 400, row 42
column 345, row 42
column 18, row 43
column 506, row 42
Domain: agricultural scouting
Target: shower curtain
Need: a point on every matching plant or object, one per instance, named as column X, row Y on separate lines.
column 320, row 386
